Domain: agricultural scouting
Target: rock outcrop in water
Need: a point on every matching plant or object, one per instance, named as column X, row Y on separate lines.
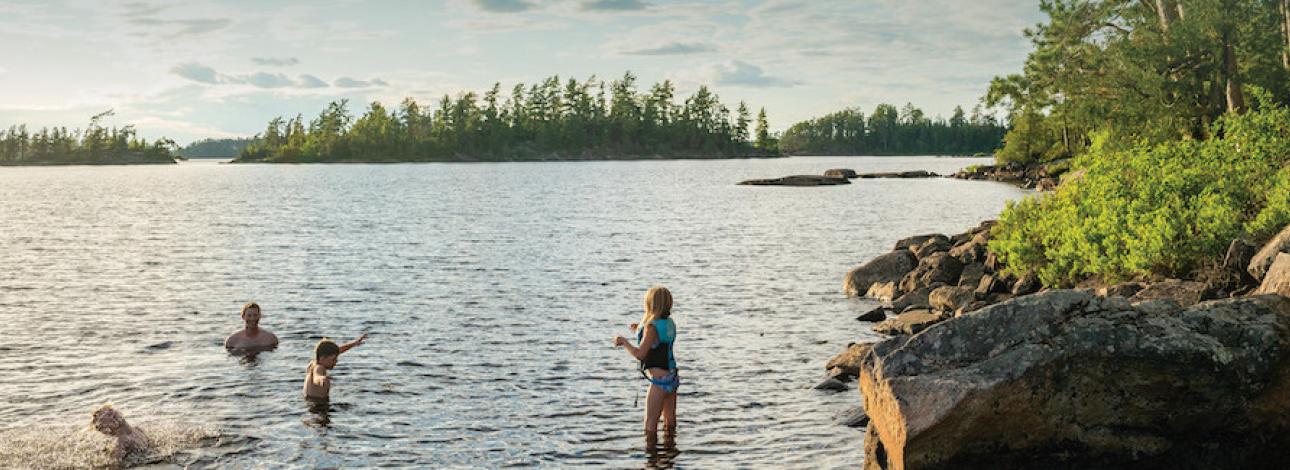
column 798, row 180
column 1066, row 379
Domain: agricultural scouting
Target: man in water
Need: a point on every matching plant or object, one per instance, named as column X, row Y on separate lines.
column 251, row 337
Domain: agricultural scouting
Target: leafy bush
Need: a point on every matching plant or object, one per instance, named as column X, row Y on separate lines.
column 1162, row 209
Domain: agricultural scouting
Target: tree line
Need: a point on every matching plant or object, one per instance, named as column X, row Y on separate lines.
column 553, row 119
column 94, row 144
column 890, row 132
column 1140, row 71
column 215, row 148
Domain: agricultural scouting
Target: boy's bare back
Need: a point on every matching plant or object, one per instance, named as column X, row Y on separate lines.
column 317, row 383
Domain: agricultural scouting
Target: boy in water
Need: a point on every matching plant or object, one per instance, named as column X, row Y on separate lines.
column 129, row 440
column 326, row 353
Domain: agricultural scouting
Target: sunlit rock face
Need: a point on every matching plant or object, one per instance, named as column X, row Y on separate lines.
column 1065, row 379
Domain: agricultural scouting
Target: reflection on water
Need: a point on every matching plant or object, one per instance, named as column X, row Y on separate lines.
column 660, row 454
column 491, row 291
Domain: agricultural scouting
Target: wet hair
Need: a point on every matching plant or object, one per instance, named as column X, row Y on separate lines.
column 250, row 305
column 326, row 348
column 658, row 305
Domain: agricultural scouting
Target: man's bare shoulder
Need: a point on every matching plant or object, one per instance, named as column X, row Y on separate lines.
column 236, row 340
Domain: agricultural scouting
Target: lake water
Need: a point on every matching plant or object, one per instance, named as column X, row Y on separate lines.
column 491, row 293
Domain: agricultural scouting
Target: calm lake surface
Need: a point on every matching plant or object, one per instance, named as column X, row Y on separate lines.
column 491, row 292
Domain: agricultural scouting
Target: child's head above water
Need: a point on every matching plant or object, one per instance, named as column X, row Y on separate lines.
column 107, row 420
column 326, row 353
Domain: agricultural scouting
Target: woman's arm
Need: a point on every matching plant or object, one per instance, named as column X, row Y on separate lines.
column 651, row 335
column 352, row 344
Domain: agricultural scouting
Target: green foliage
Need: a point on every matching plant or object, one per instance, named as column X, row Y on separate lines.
column 888, row 132
column 548, row 120
column 1139, row 71
column 95, row 144
column 1156, row 208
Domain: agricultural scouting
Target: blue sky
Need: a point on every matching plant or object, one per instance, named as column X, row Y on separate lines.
column 215, row 69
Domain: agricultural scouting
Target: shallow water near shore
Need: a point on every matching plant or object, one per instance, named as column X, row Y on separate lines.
column 491, row 292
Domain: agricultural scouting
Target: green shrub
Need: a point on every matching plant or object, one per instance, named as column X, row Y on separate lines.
column 1164, row 209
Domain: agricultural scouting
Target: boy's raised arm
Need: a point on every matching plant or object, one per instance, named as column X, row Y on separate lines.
column 351, row 344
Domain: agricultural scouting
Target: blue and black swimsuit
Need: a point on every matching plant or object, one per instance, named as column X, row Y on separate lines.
column 660, row 355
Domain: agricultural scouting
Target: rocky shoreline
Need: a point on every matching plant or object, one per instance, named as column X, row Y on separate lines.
column 1041, row 177
column 985, row 369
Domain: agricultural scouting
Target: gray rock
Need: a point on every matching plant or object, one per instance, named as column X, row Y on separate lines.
column 912, row 242
column 889, row 267
column 840, row 173
column 1262, row 261
column 917, row 298
column 884, row 291
column 848, row 362
column 899, row 174
column 853, row 417
column 951, row 298
column 971, row 275
column 831, row 384
column 1028, row 284
column 798, row 180
column 1186, row 293
column 938, row 267
column 1277, row 279
column 909, row 323
column 1063, row 379
column 1123, row 289
column 875, row 315
column 934, row 245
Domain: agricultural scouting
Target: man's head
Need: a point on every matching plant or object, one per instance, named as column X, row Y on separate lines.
column 251, row 315
column 326, row 353
column 107, row 420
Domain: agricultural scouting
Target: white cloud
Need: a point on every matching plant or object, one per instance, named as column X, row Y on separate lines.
column 347, row 82
column 275, row 61
column 504, row 6
column 196, row 72
column 674, row 48
column 740, row 73
column 310, row 81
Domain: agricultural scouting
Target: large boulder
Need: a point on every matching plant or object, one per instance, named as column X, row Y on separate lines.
column 937, row 267
column 1277, row 279
column 1063, row 379
column 840, row 173
column 1186, row 293
column 1262, row 260
column 890, row 267
column 798, row 180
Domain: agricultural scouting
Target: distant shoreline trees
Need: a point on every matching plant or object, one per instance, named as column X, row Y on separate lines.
column 215, row 148
column 890, row 132
column 550, row 120
column 94, row 145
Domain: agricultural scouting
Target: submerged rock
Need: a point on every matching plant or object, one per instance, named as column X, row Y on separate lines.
column 1064, row 379
column 853, row 417
column 798, row 180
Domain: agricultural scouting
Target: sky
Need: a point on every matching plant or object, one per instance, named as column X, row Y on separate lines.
column 196, row 69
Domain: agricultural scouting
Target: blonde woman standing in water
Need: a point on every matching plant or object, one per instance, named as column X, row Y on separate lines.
column 655, row 334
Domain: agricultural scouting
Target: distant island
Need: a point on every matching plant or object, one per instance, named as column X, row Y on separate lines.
column 95, row 145
column 551, row 120
column 215, row 148
column 891, row 132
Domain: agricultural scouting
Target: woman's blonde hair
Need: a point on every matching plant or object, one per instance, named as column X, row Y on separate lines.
column 658, row 304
